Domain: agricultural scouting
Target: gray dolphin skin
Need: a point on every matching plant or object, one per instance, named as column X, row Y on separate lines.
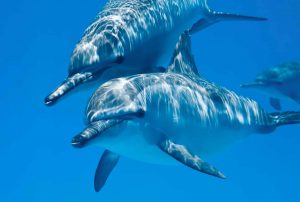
column 170, row 118
column 282, row 81
column 134, row 36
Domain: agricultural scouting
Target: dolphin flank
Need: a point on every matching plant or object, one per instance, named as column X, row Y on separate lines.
column 171, row 117
column 124, row 37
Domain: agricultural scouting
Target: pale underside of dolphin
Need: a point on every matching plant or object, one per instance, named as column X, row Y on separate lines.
column 282, row 81
column 134, row 36
column 170, row 117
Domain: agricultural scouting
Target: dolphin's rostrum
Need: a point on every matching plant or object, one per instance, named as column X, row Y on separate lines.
column 171, row 117
column 123, row 39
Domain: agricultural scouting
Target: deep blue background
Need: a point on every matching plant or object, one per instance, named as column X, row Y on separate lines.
column 37, row 161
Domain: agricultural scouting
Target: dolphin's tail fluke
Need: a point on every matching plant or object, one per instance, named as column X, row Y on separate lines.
column 285, row 118
column 69, row 84
column 211, row 17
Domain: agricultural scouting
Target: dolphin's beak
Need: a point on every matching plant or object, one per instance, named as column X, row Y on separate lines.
column 251, row 85
column 69, row 84
column 93, row 130
column 59, row 92
column 90, row 132
column 79, row 141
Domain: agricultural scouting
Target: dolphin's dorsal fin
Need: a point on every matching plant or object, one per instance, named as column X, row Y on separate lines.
column 182, row 61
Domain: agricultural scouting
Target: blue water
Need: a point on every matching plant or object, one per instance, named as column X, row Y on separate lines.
column 37, row 160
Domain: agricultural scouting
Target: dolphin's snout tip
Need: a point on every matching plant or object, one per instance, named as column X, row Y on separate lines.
column 52, row 98
column 78, row 141
column 49, row 101
column 263, row 19
column 222, row 176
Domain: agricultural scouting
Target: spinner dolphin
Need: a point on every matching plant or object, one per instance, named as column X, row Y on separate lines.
column 134, row 36
column 170, row 117
column 282, row 81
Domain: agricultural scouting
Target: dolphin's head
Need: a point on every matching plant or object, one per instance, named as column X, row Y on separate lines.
column 273, row 80
column 112, row 106
column 94, row 54
column 91, row 57
column 265, row 85
column 116, row 98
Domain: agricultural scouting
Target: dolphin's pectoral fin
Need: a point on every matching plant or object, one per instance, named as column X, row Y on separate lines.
column 69, row 84
column 94, row 130
column 182, row 154
column 106, row 164
column 215, row 17
column 275, row 103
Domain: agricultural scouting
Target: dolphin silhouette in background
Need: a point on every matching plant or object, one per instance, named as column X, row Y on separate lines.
column 134, row 36
column 170, row 117
column 282, row 81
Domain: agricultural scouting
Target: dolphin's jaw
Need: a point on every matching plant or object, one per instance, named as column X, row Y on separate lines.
column 78, row 141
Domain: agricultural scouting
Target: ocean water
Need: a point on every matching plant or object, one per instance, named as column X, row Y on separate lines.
column 37, row 160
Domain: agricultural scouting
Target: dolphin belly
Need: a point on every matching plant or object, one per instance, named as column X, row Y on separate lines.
column 135, row 141
column 208, row 143
column 202, row 141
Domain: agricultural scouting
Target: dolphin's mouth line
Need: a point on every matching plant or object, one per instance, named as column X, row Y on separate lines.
column 93, row 131
column 76, row 144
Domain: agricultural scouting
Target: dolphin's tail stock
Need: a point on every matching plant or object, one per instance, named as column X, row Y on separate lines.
column 211, row 17
column 277, row 119
column 285, row 118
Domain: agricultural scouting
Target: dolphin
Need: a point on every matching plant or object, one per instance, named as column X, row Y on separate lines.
column 282, row 81
column 134, row 36
column 170, row 118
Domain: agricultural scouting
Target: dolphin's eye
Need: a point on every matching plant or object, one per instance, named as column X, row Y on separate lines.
column 140, row 113
column 119, row 59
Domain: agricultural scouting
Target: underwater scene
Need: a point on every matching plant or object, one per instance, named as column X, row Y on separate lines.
column 150, row 100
